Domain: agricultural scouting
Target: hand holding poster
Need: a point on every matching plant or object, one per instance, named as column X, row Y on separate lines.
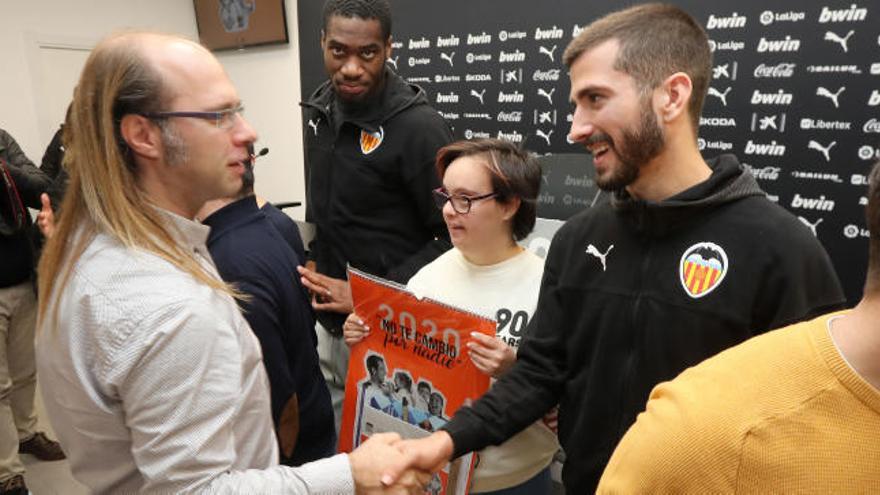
column 410, row 374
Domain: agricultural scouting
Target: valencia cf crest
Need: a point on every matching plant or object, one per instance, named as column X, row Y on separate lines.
column 370, row 141
column 702, row 268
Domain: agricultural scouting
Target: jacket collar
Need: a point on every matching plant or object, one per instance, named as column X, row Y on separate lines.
column 729, row 182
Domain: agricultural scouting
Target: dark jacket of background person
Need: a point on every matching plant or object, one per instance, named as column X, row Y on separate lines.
column 374, row 210
column 52, row 165
column 287, row 228
column 250, row 253
column 607, row 331
column 17, row 254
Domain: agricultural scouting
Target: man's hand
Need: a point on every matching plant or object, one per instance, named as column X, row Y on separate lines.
column 551, row 419
column 428, row 454
column 490, row 354
column 328, row 294
column 46, row 217
column 376, row 456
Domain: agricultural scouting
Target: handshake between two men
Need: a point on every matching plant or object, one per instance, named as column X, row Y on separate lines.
column 387, row 464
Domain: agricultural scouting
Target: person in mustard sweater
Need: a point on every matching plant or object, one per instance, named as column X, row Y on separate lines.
column 796, row 410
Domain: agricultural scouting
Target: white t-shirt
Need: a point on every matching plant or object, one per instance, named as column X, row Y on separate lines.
column 508, row 293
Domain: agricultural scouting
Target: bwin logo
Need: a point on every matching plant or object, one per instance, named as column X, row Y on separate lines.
column 513, row 137
column 772, row 149
column 734, row 21
column 727, row 70
column 515, row 97
column 720, row 95
column 786, row 45
column 853, row 14
column 553, row 33
column 820, row 203
column 811, row 226
column 479, row 95
column 448, row 57
column 548, row 51
column 547, row 95
column 821, row 91
column 825, row 150
column 515, row 56
column 419, row 44
column 778, row 98
column 874, row 99
column 447, row 98
column 832, row 36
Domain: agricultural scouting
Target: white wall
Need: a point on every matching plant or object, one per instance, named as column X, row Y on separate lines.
column 267, row 78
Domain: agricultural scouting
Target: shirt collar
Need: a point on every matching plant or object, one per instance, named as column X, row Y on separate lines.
column 185, row 232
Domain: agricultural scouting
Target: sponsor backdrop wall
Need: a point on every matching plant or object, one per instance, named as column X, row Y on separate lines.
column 795, row 94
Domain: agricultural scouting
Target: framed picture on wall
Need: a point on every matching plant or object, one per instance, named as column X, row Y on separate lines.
column 231, row 24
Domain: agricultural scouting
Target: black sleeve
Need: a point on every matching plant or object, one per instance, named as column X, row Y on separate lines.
column 29, row 180
column 533, row 385
column 52, row 157
column 262, row 311
column 784, row 300
column 420, row 180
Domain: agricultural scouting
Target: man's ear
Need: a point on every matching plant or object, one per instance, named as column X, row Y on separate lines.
column 388, row 47
column 323, row 39
column 675, row 96
column 141, row 135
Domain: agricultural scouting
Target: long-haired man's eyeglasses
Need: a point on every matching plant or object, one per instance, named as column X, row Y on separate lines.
column 460, row 203
column 223, row 119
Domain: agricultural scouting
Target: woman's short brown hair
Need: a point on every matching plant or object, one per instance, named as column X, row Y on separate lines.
column 513, row 172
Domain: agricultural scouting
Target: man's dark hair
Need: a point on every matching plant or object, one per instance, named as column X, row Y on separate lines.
column 872, row 220
column 423, row 385
column 362, row 9
column 656, row 41
column 513, row 172
column 373, row 362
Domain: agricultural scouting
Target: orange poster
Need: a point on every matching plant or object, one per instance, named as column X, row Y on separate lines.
column 412, row 372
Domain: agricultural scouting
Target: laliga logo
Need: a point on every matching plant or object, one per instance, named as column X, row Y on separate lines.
column 868, row 153
column 768, row 17
column 852, row 231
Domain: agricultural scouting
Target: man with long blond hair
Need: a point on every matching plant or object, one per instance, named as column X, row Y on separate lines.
column 152, row 379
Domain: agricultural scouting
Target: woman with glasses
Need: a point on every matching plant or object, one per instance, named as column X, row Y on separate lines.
column 488, row 199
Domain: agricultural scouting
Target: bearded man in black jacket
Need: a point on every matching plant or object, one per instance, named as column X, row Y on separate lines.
column 689, row 257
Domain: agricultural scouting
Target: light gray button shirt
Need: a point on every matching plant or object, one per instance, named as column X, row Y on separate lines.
column 154, row 382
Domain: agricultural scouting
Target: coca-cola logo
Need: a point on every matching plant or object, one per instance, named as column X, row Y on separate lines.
column 872, row 125
column 783, row 69
column 546, row 75
column 510, row 116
